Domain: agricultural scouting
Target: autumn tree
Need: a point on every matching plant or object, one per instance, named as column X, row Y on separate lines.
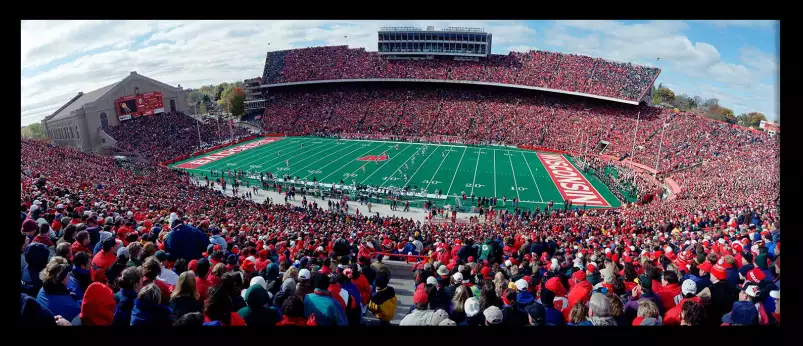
column 752, row 119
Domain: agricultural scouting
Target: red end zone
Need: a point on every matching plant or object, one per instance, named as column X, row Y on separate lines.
column 226, row 153
column 571, row 184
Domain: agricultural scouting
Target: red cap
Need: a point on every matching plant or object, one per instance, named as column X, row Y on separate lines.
column 486, row 272
column 554, row 285
column 737, row 247
column 718, row 271
column 705, row 266
column 591, row 267
column 248, row 267
column 504, row 297
column 193, row 265
column 579, row 275
column 755, row 275
column 420, row 295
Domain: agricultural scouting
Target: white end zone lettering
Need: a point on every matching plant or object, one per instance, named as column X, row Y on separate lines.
column 225, row 153
column 571, row 184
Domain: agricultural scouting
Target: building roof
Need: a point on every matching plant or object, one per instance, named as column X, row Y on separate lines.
column 80, row 101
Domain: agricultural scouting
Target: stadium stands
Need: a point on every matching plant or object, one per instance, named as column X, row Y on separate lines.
column 709, row 256
column 566, row 72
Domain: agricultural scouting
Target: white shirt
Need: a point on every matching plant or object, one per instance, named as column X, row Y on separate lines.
column 168, row 276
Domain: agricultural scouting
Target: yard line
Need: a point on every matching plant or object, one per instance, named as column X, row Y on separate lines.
column 419, row 167
column 386, row 162
column 439, row 168
column 479, row 151
column 533, row 176
column 248, row 158
column 341, row 167
column 282, row 158
column 494, row 172
column 455, row 170
column 330, row 154
column 397, row 169
column 333, row 161
column 510, row 157
column 248, row 153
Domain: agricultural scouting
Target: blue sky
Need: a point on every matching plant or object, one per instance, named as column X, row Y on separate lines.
column 733, row 61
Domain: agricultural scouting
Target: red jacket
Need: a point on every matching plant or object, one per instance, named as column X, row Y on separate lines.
column 672, row 316
column 77, row 247
column 203, row 289
column 292, row 321
column 102, row 261
column 364, row 287
column 579, row 294
column 668, row 294
column 44, row 240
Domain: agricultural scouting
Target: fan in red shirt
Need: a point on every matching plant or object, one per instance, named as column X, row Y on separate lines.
column 104, row 259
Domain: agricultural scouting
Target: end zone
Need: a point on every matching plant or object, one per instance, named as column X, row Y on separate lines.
column 571, row 184
column 225, row 153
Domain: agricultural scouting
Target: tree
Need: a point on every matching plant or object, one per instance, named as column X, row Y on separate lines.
column 710, row 102
column 195, row 96
column 34, row 130
column 203, row 108
column 752, row 119
column 219, row 90
column 235, row 101
column 206, row 99
column 663, row 95
column 209, row 89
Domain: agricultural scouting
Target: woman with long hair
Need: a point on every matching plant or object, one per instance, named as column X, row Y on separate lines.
column 578, row 315
column 218, row 309
column 130, row 282
column 488, row 296
column 184, row 299
column 69, row 235
column 54, row 294
column 148, row 308
column 134, row 253
column 457, row 313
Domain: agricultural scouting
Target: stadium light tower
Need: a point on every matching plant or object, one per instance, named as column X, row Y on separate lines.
column 660, row 144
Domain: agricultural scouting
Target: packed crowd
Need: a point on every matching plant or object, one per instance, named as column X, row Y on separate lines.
column 166, row 136
column 107, row 245
column 534, row 68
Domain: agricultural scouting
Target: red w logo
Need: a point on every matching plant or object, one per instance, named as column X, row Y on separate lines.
column 373, row 158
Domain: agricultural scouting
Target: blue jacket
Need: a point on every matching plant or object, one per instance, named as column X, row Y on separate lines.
column 36, row 257
column 59, row 301
column 553, row 316
column 149, row 314
column 78, row 281
column 218, row 240
column 186, row 242
column 327, row 311
column 125, row 303
column 701, row 282
column 34, row 314
column 732, row 276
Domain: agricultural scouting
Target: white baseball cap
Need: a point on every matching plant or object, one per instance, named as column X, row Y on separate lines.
column 458, row 277
column 471, row 307
column 522, row 285
column 303, row 274
column 688, row 287
column 432, row 281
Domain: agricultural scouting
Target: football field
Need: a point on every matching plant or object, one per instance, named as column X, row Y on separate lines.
column 446, row 168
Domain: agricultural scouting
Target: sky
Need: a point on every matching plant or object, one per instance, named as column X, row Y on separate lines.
column 736, row 62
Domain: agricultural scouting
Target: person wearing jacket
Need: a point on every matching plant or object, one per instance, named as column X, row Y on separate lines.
column 383, row 302
column 219, row 310
column 81, row 243
column 36, row 257
column 642, row 291
column 580, row 292
column 54, row 294
column 104, row 259
column 474, row 317
column 272, row 278
column 97, row 308
column 216, row 239
column 80, row 277
column 185, row 241
column 421, row 316
column 326, row 310
column 599, row 312
column 148, row 308
column 553, row 316
column 257, row 313
column 669, row 289
column 184, row 298
column 487, row 250
column 34, row 314
column 512, row 315
column 688, row 293
column 201, row 285
column 129, row 283
column 293, row 312
column 344, row 289
column 721, row 295
column 701, row 278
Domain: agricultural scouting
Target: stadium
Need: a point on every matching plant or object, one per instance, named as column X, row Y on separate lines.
column 528, row 188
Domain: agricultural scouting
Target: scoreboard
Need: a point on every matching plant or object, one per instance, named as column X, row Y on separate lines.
column 133, row 106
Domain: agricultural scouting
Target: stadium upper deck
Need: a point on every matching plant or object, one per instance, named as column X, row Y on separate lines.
column 547, row 71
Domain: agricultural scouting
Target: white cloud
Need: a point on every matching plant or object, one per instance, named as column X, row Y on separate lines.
column 764, row 24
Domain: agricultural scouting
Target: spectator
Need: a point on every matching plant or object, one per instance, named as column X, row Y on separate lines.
column 184, row 298
column 293, row 312
column 474, row 316
column 421, row 315
column 36, row 258
column 129, row 283
column 184, row 241
column 54, row 294
column 97, row 307
column 647, row 314
column 79, row 278
column 218, row 309
column 322, row 306
column 257, row 313
column 692, row 314
column 383, row 302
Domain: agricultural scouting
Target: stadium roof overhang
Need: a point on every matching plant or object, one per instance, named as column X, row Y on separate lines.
column 451, row 82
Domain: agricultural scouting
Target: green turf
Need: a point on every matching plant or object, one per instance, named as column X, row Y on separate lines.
column 485, row 171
